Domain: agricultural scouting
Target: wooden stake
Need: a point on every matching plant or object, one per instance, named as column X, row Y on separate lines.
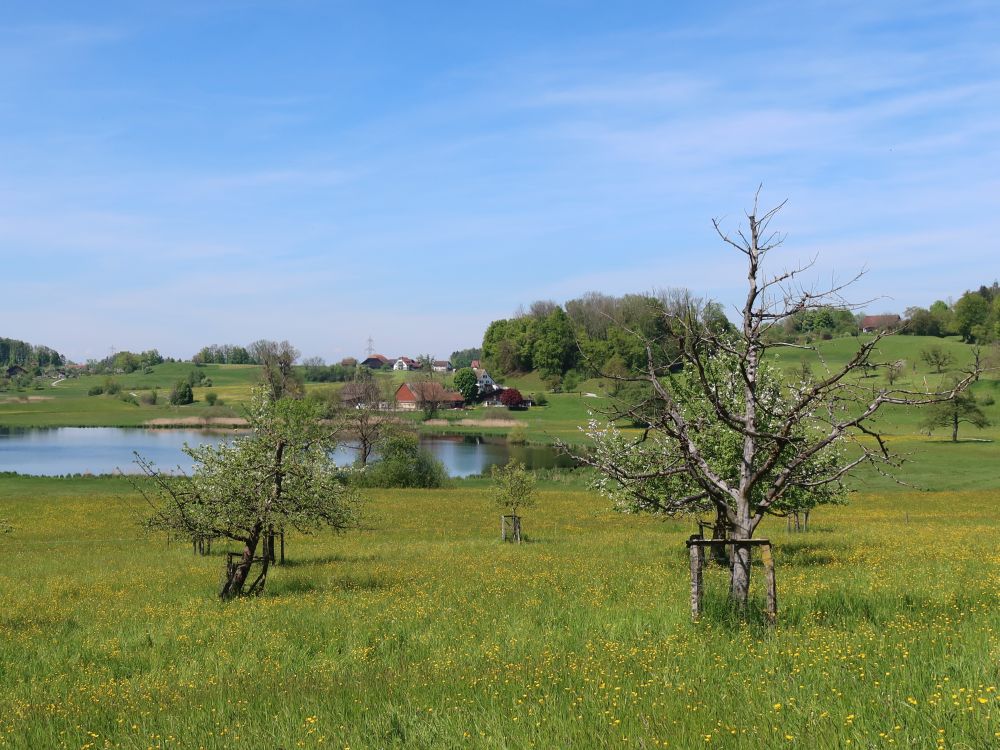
column 697, row 560
column 772, row 587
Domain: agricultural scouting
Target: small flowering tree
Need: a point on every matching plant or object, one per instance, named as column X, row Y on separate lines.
column 513, row 489
column 729, row 433
column 279, row 475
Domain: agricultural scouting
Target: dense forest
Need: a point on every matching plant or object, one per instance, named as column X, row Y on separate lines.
column 30, row 357
column 596, row 333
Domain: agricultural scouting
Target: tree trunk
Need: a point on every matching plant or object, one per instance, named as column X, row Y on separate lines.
column 233, row 586
column 954, row 428
column 739, row 584
column 720, row 530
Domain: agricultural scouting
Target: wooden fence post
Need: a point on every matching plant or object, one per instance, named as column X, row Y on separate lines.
column 772, row 587
column 697, row 559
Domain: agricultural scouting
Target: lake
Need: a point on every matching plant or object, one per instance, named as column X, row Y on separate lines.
column 104, row 450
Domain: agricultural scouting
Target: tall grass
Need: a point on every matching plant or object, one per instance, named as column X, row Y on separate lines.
column 425, row 631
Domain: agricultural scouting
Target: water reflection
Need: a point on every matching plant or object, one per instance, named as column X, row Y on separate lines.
column 103, row 450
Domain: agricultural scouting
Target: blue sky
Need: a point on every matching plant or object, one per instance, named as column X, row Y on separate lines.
column 179, row 174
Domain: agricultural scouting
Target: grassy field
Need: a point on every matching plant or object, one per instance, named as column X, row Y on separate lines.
column 66, row 404
column 425, row 631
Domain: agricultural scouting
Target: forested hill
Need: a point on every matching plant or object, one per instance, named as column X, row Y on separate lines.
column 23, row 354
column 594, row 333
column 599, row 333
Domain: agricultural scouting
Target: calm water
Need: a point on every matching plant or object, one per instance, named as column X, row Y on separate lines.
column 103, row 450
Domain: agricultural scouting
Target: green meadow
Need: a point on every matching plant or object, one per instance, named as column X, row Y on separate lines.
column 425, row 631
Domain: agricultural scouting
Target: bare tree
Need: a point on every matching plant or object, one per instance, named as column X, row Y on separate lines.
column 363, row 421
column 788, row 439
column 277, row 360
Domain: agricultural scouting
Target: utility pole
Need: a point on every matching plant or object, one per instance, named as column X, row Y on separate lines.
column 371, row 347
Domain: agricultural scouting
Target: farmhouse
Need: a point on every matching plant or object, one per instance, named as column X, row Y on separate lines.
column 413, row 396
column 441, row 365
column 375, row 361
column 873, row 323
column 405, row 363
column 486, row 384
column 14, row 370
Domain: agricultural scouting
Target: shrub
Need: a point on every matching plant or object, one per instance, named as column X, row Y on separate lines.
column 540, row 399
column 182, row 394
column 403, row 464
column 211, row 398
column 150, row 398
column 112, row 387
column 517, row 435
column 95, row 390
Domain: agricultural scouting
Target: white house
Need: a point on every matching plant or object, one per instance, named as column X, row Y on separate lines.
column 484, row 381
column 405, row 363
column 441, row 365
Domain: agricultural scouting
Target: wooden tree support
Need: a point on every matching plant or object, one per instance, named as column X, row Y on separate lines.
column 202, row 545
column 512, row 525
column 268, row 547
column 696, row 548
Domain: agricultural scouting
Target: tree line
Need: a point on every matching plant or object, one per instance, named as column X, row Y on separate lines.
column 593, row 334
column 29, row 356
column 975, row 317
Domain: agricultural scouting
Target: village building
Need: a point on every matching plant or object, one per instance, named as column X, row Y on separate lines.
column 485, row 383
column 413, row 396
column 405, row 363
column 874, row 323
column 441, row 365
column 375, row 361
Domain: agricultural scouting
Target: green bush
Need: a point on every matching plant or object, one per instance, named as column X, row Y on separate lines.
column 517, row 435
column 211, row 398
column 182, row 394
column 95, row 390
column 403, row 464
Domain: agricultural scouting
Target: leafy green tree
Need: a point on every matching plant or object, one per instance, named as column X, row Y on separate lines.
column 921, row 322
column 211, row 397
column 513, row 488
column 937, row 358
column 971, row 313
column 182, row 394
column 279, row 475
column 555, row 344
column 962, row 409
column 945, row 317
column 465, row 383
